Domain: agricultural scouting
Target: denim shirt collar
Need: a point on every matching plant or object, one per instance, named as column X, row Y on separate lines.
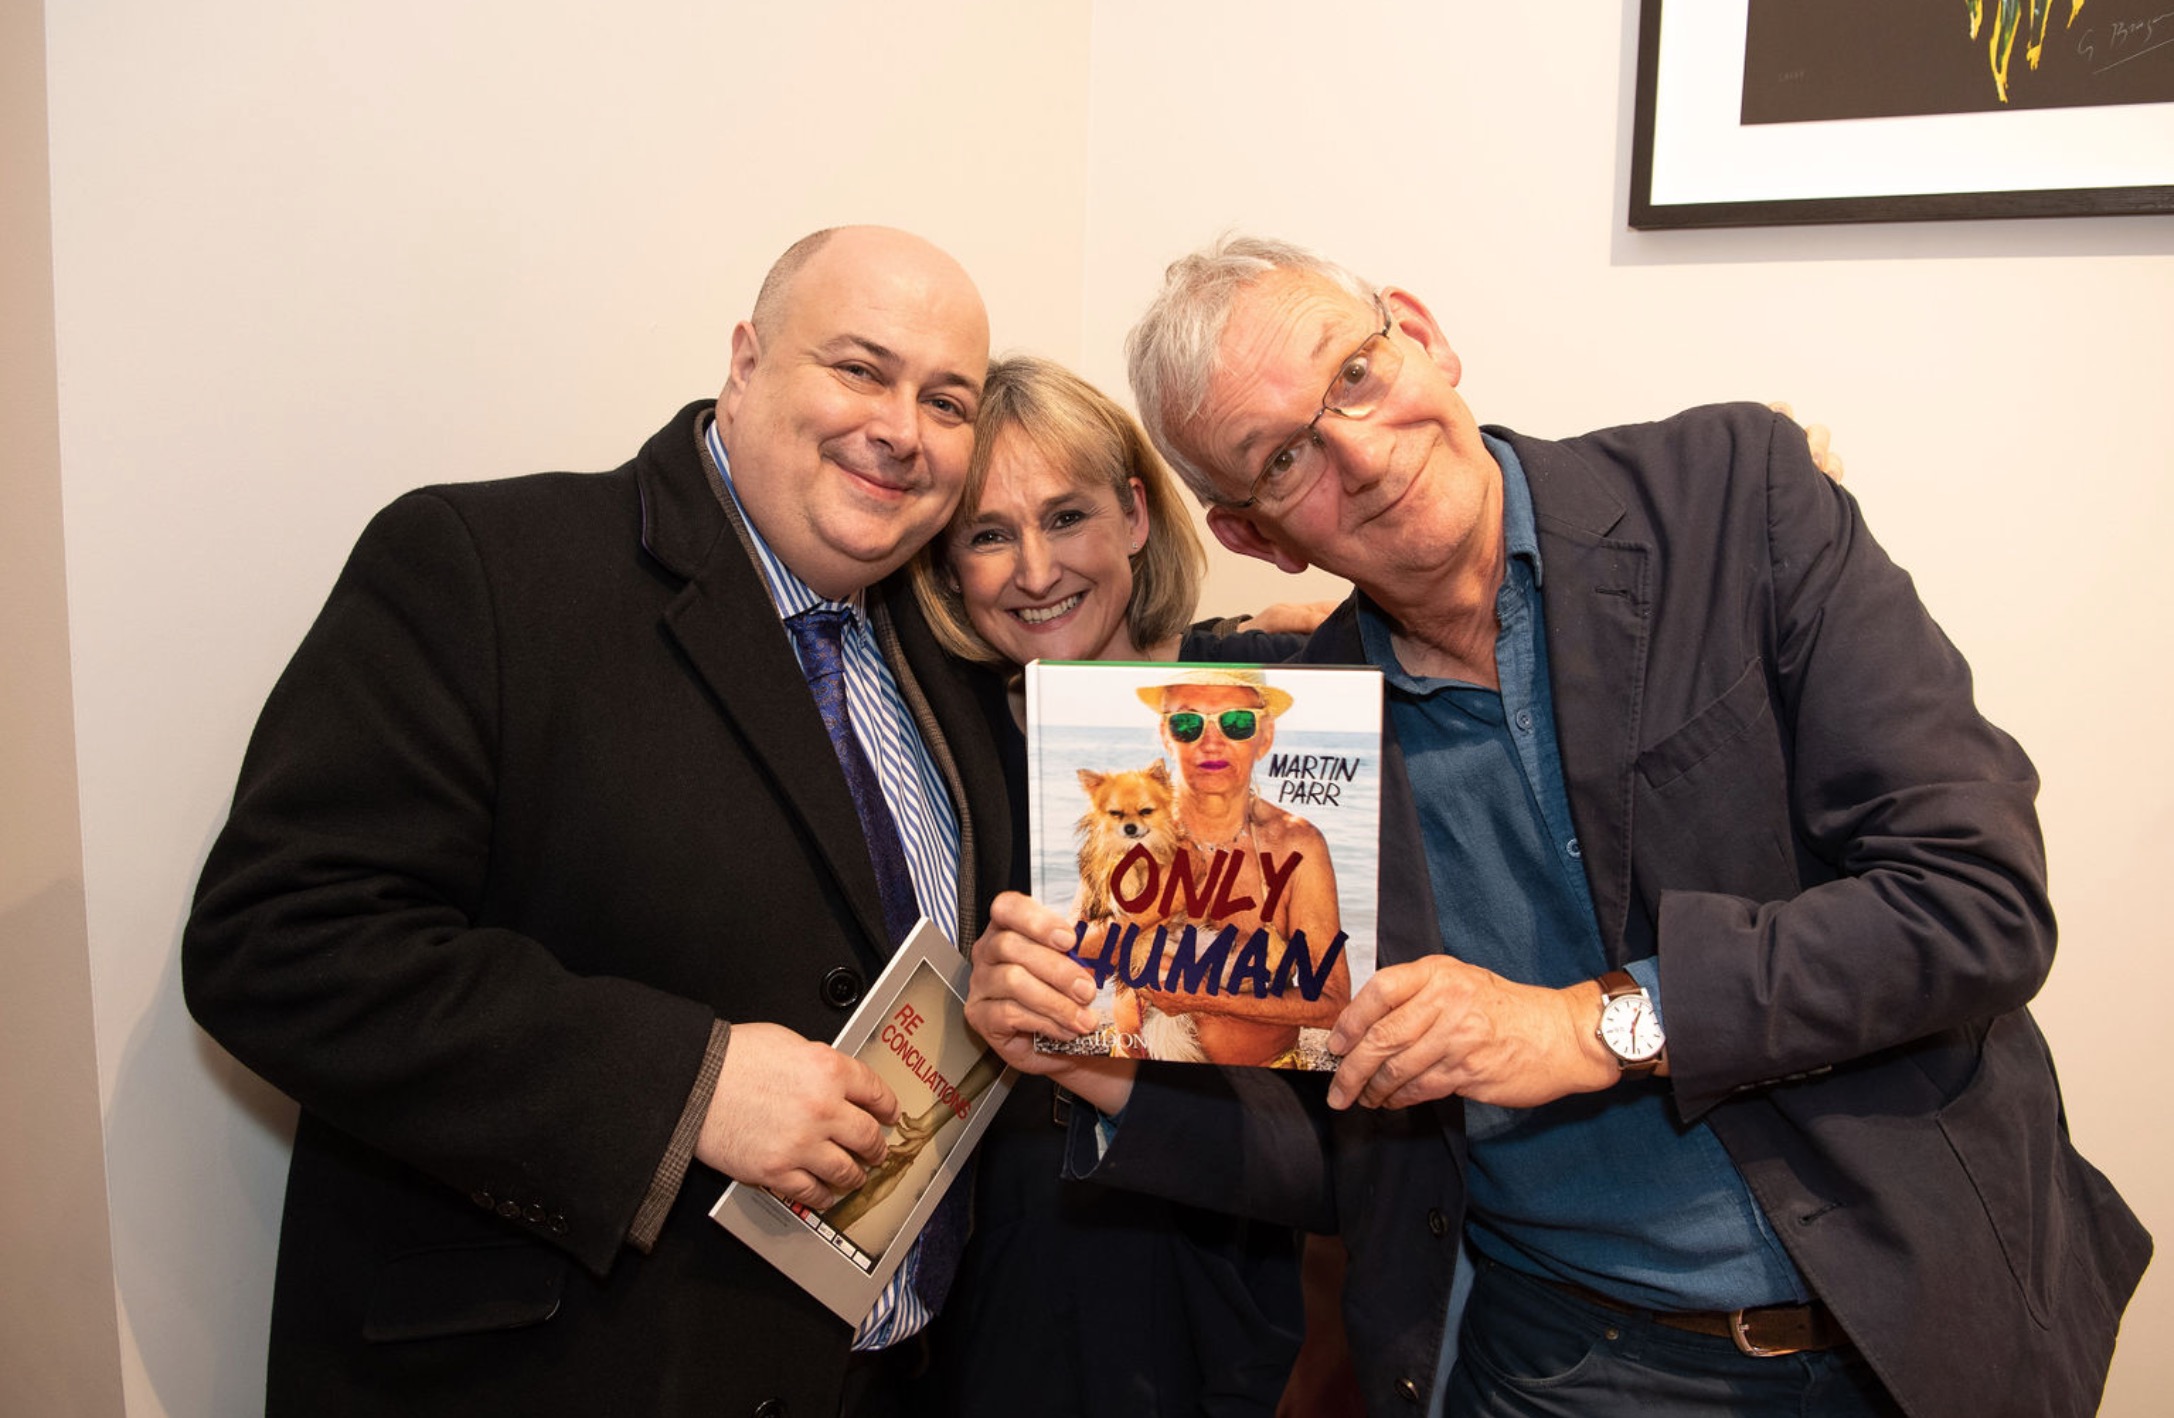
column 1520, row 539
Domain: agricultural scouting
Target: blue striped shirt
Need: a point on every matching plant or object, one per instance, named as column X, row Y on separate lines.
column 928, row 827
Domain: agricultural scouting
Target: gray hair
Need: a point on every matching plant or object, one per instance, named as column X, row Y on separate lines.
column 1170, row 353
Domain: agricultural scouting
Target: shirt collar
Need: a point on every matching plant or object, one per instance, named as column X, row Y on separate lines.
column 1520, row 539
column 788, row 592
column 1520, row 534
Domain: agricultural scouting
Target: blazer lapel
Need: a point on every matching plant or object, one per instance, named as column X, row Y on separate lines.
column 725, row 624
column 1597, row 594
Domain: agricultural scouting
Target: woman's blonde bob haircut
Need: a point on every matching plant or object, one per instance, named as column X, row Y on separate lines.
column 1081, row 430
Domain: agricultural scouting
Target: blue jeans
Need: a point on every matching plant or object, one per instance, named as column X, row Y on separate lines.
column 1529, row 1350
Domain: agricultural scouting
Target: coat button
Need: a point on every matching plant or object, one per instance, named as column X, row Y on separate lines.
column 535, row 1214
column 1437, row 1222
column 770, row 1408
column 510, row 1209
column 1408, row 1390
column 842, row 987
column 483, row 1199
column 558, row 1224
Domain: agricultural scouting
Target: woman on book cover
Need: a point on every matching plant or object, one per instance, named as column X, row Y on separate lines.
column 1268, row 870
column 1070, row 543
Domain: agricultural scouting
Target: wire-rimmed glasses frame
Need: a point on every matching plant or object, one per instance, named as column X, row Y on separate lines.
column 1363, row 377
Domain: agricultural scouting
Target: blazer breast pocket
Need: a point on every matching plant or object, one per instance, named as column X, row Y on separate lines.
column 474, row 1288
column 1736, row 721
column 1712, row 803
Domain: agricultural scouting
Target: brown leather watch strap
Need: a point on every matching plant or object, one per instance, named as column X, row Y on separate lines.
column 1614, row 985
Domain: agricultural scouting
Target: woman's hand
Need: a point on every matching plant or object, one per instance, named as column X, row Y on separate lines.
column 1025, row 983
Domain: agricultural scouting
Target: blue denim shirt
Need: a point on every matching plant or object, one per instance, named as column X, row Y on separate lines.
column 1608, row 1189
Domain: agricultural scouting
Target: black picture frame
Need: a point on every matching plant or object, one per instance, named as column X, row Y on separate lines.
column 1877, row 175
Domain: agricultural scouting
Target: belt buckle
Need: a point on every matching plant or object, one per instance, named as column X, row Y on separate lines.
column 1741, row 1333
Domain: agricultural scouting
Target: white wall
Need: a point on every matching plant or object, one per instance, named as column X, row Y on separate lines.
column 307, row 256
column 1999, row 390
column 59, row 1351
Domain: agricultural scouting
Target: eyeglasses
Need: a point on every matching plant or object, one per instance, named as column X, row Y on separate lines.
column 1362, row 381
column 1186, row 725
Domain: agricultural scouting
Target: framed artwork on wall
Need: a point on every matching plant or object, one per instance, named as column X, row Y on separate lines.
column 1764, row 112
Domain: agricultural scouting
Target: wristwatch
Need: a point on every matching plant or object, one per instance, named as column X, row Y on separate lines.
column 1628, row 1025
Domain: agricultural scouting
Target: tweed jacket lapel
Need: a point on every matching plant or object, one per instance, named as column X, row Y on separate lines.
column 960, row 742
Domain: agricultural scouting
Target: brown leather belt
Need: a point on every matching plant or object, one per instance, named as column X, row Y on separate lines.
column 1765, row 1332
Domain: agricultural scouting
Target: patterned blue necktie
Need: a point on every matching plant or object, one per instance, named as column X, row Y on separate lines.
column 819, row 636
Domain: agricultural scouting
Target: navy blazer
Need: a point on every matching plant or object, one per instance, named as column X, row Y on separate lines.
column 542, row 794
column 1782, row 787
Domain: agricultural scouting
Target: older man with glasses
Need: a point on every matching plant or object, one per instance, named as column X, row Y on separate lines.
column 1710, row 907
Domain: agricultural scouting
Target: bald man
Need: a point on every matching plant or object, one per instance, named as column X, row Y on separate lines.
column 548, row 874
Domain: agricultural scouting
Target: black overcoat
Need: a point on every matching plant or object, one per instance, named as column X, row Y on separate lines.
column 542, row 794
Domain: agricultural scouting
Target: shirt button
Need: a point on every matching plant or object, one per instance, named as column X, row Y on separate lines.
column 842, row 986
column 1573, row 848
column 1524, row 721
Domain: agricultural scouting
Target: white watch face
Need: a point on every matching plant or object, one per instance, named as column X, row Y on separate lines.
column 1630, row 1029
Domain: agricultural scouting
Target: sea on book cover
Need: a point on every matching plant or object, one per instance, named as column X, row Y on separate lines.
column 1214, row 829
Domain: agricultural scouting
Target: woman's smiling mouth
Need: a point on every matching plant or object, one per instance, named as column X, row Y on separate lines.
column 1042, row 615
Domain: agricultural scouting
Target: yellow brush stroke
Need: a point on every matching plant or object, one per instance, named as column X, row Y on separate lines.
column 2000, row 45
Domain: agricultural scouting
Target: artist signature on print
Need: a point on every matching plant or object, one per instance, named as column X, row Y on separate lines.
column 2125, row 41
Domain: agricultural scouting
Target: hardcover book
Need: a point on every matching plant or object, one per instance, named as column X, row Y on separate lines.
column 1214, row 830
column 911, row 1029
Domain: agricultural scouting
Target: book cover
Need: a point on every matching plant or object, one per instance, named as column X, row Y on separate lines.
column 912, row 1030
column 1214, row 829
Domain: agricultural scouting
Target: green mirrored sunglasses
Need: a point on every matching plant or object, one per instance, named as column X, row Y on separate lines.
column 1186, row 725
